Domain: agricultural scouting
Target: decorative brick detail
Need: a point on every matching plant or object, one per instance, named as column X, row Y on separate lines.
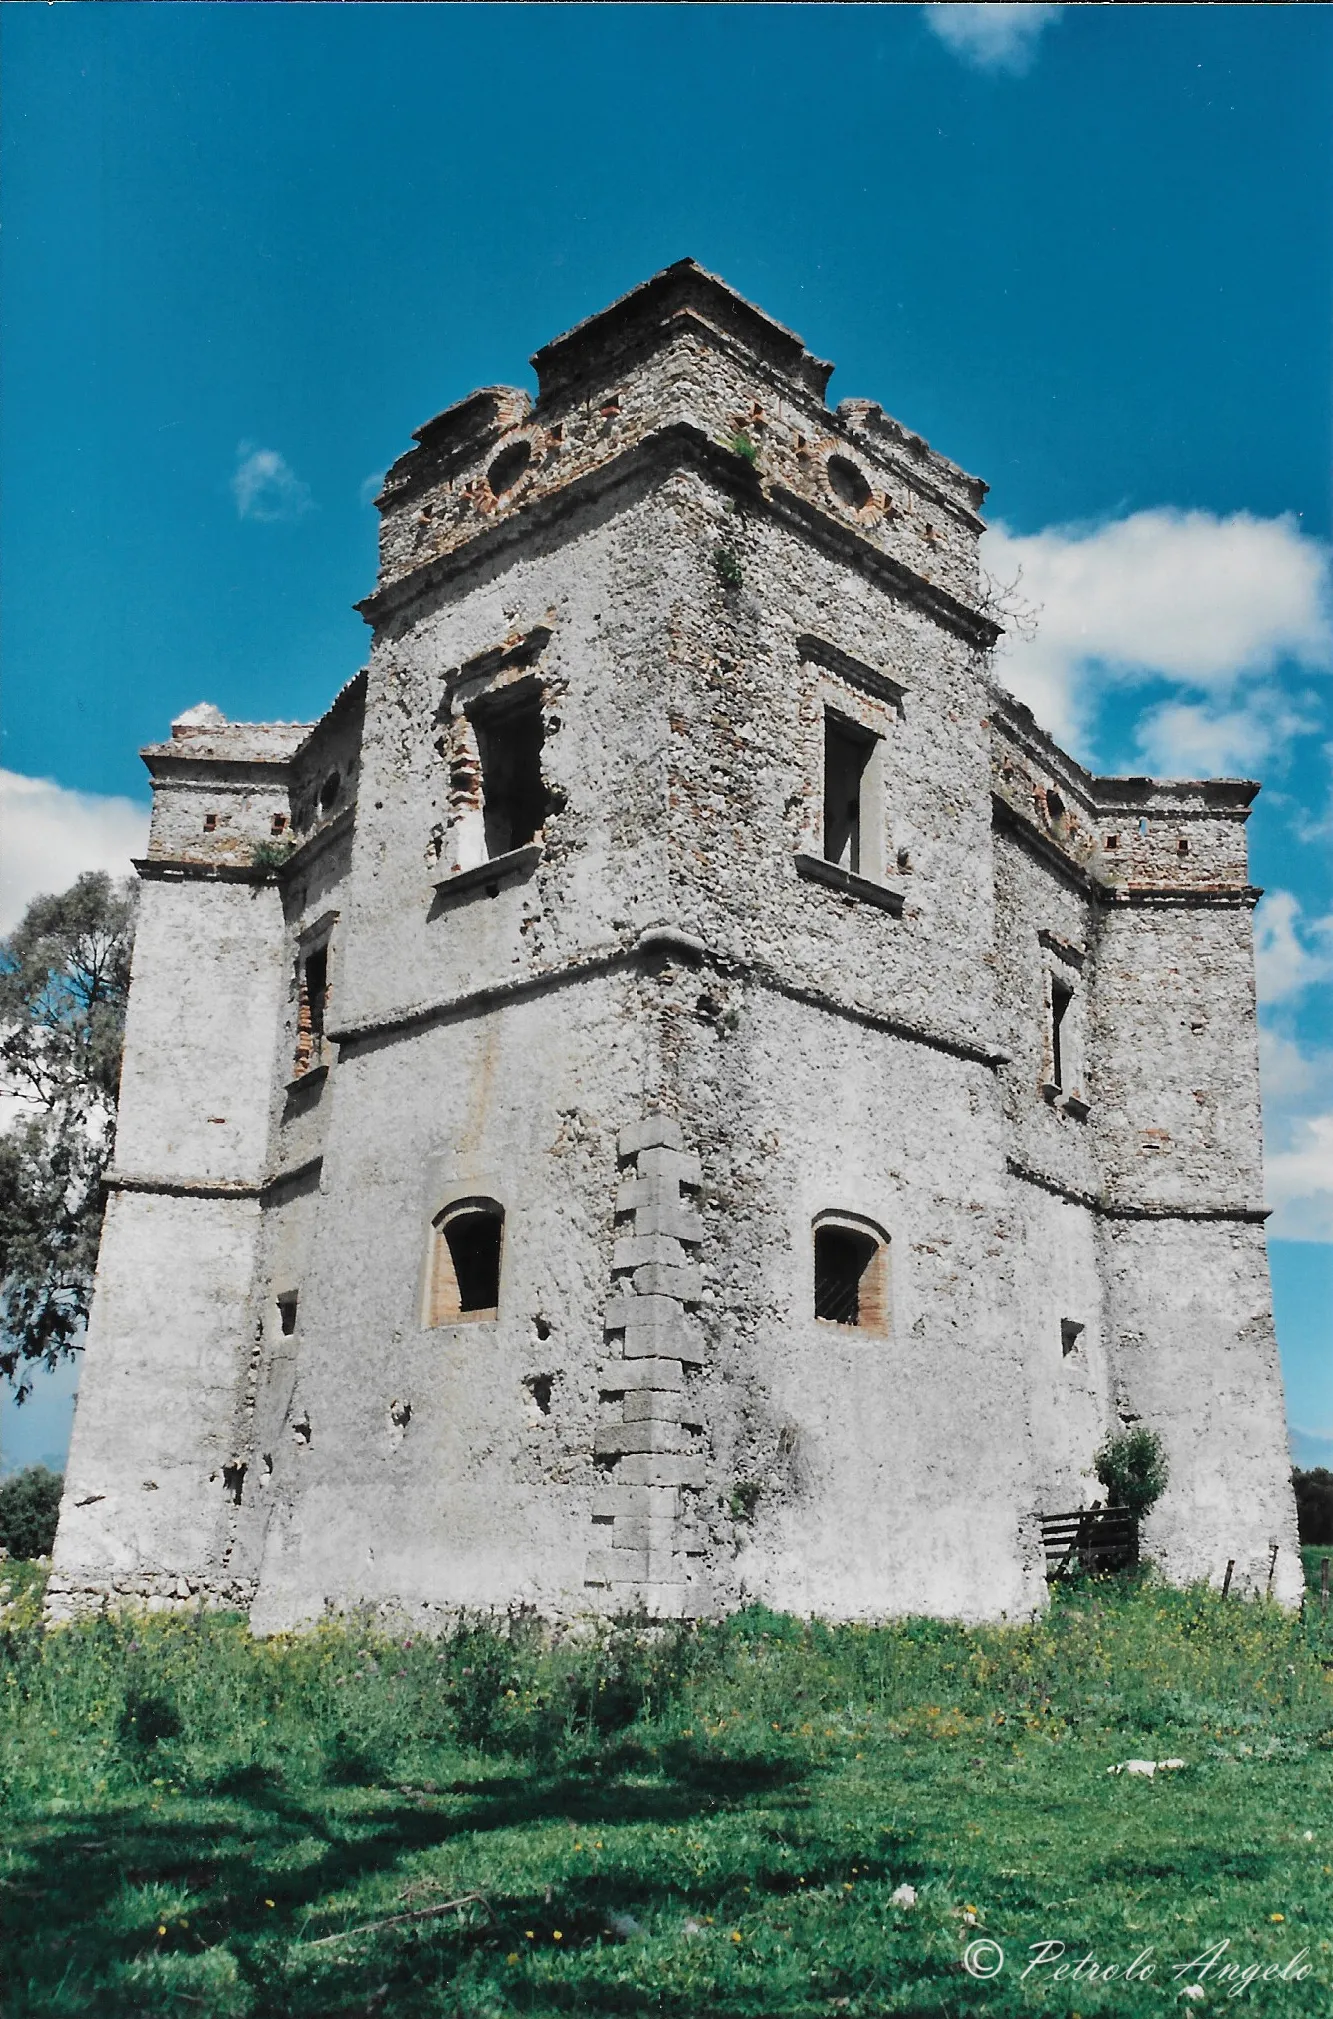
column 647, row 1554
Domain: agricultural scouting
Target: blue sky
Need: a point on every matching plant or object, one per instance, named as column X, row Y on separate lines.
column 1085, row 251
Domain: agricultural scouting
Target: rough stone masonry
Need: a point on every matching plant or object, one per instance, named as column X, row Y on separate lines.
column 675, row 1091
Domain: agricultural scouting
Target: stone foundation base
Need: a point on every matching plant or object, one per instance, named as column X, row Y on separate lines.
column 70, row 1598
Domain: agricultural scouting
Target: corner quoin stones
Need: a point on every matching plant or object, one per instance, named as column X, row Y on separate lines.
column 672, row 935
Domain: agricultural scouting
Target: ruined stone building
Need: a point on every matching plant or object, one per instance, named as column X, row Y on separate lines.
column 675, row 1090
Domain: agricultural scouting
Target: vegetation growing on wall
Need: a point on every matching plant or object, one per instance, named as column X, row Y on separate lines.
column 1133, row 1469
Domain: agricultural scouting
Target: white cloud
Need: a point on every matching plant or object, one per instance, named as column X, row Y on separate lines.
column 991, row 37
column 1298, row 1127
column 1203, row 601
column 1310, row 1447
column 49, row 836
column 1285, row 1071
column 1291, row 952
column 1298, row 1182
column 370, row 487
column 1205, row 739
column 265, row 486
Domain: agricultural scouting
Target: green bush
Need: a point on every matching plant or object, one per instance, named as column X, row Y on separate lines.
column 29, row 1509
column 1132, row 1467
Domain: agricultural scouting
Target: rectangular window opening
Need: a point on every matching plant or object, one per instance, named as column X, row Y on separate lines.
column 465, row 1264
column 1061, row 997
column 850, row 1278
column 287, row 1313
column 311, row 1008
column 1071, row 1331
column 513, row 797
column 846, row 755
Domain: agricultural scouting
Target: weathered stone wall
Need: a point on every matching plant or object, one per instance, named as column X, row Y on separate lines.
column 667, row 1037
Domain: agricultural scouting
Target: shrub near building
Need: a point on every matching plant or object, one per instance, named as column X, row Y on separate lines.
column 29, row 1507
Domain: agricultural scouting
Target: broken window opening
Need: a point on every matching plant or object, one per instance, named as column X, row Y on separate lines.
column 513, row 796
column 1071, row 1331
column 851, row 1277
column 846, row 755
column 1061, row 997
column 287, row 1313
column 465, row 1262
column 312, row 1004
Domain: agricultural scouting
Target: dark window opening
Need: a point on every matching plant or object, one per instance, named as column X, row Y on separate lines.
column 210, row 822
column 312, row 1004
column 1071, row 1331
column 1113, row 841
column 1055, row 806
column 287, row 1314
column 278, row 823
column 849, row 1269
column 1061, row 997
column 848, row 483
column 328, row 791
column 513, row 797
column 465, row 1267
column 846, row 754
column 508, row 467
column 233, row 1482
column 1182, row 846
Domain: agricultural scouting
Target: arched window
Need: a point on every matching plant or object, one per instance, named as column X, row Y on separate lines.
column 466, row 1242
column 851, row 1269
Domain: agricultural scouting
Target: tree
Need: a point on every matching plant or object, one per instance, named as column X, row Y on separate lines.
column 29, row 1510
column 1314, row 1503
column 64, row 982
column 1132, row 1468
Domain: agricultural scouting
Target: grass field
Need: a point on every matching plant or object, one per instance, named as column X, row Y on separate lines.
column 708, row 1823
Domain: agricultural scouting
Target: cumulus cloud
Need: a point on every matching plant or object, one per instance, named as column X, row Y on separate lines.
column 996, row 38
column 1297, row 1083
column 1291, row 952
column 1202, row 739
column 1298, row 1181
column 266, row 487
column 1205, row 602
column 49, row 836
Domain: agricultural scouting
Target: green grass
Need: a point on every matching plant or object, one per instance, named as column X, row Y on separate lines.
column 1312, row 1555
column 697, row 1823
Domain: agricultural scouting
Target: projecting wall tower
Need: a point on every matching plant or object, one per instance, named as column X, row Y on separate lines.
column 714, row 1104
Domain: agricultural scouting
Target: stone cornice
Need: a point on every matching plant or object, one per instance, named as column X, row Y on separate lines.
column 683, row 445
column 1173, row 897
column 1122, row 1209
column 655, row 943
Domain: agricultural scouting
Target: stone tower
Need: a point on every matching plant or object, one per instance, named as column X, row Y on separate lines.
column 676, row 1090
